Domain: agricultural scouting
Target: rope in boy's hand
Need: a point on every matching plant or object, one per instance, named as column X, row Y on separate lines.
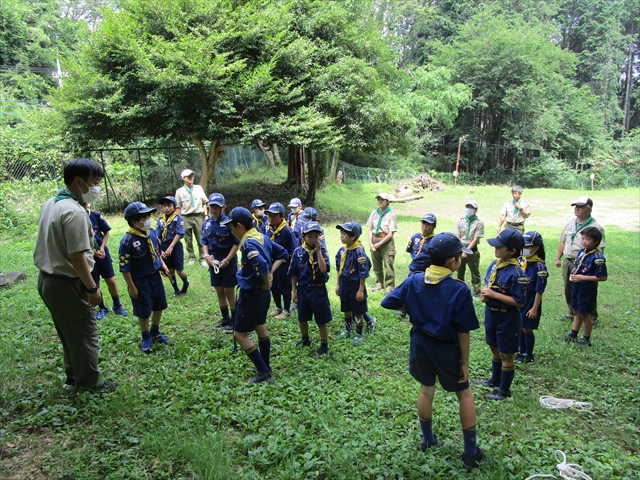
column 215, row 264
column 568, row 471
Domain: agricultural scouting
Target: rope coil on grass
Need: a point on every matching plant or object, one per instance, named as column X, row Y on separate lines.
column 568, row 471
column 560, row 403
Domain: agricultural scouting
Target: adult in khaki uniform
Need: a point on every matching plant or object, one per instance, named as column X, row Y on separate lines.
column 64, row 256
column 192, row 203
column 514, row 212
column 470, row 229
column 382, row 224
column 571, row 243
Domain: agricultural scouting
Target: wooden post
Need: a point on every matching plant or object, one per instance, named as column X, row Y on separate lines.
column 455, row 175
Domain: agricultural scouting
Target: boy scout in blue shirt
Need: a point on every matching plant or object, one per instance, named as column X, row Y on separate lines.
column 309, row 214
column 280, row 233
column 296, row 209
column 170, row 230
column 419, row 244
column 504, row 294
column 309, row 272
column 104, row 265
column 219, row 247
column 141, row 264
column 254, row 279
column 261, row 220
column 442, row 313
column 353, row 270
column 589, row 269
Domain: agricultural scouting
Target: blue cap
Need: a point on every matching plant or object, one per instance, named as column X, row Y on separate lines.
column 446, row 245
column 238, row 214
column 430, row 218
column 167, row 199
column 276, row 207
column 312, row 213
column 135, row 208
column 351, row 227
column 217, row 199
column 509, row 239
column 295, row 202
column 532, row 239
column 257, row 203
column 312, row 227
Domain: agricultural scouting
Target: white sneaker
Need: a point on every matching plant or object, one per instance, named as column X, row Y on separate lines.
column 191, row 261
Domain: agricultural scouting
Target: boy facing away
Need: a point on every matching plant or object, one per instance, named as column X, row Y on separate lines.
column 141, row 263
column 442, row 313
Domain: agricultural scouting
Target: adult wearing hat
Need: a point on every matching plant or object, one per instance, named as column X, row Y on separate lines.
column 470, row 229
column 382, row 224
column 514, row 212
column 192, row 205
column 571, row 243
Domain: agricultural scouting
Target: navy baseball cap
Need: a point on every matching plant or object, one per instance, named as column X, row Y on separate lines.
column 168, row 199
column 351, row 227
column 312, row 227
column 257, row 203
column 217, row 199
column 135, row 208
column 276, row 207
column 295, row 202
column 312, row 213
column 446, row 245
column 430, row 218
column 509, row 239
column 532, row 239
column 238, row 214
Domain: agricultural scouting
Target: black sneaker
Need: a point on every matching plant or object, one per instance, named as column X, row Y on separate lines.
column 498, row 394
column 261, row 377
column 223, row 323
column 185, row 287
column 583, row 342
column 524, row 358
column 69, row 385
column 474, row 462
column 487, row 382
column 424, row 446
column 305, row 342
column 567, row 338
column 321, row 353
column 108, row 387
column 178, row 293
column 228, row 329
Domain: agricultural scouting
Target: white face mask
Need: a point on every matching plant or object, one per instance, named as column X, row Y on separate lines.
column 261, row 211
column 91, row 195
column 294, row 209
column 526, row 252
column 470, row 212
column 146, row 225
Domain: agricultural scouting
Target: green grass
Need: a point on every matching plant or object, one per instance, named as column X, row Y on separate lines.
column 186, row 411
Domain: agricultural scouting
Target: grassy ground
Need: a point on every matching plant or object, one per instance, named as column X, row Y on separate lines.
column 186, row 411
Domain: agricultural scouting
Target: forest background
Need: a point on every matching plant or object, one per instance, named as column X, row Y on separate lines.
column 541, row 93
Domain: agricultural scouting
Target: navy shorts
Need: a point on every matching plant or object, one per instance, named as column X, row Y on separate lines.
column 226, row 277
column 313, row 301
column 175, row 261
column 251, row 309
column 430, row 358
column 103, row 267
column 348, row 302
column 530, row 323
column 583, row 296
column 501, row 329
column 151, row 297
column 281, row 281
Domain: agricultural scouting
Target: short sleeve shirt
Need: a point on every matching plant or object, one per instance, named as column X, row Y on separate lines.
column 476, row 230
column 64, row 227
column 306, row 268
column 136, row 256
column 99, row 225
column 389, row 222
column 513, row 214
column 418, row 244
column 184, row 200
column 592, row 264
column 254, row 263
column 510, row 281
column 356, row 266
column 175, row 227
column 573, row 244
column 217, row 237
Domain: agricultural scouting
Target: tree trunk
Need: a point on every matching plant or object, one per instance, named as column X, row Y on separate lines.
column 334, row 166
column 627, row 96
column 276, row 154
column 296, row 172
column 209, row 159
column 267, row 153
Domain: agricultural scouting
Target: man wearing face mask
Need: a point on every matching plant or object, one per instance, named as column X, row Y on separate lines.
column 192, row 205
column 64, row 256
column 470, row 229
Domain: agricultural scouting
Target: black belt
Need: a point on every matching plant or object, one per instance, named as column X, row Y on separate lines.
column 64, row 277
column 441, row 340
column 516, row 224
column 192, row 214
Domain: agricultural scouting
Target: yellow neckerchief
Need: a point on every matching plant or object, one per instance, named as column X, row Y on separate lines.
column 435, row 274
column 311, row 251
column 343, row 259
column 500, row 264
column 294, row 220
column 524, row 261
column 586, row 254
column 278, row 228
column 252, row 234
column 167, row 222
column 424, row 239
column 140, row 233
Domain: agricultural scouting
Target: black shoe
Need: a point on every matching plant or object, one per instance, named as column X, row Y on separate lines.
column 321, row 353
column 223, row 323
column 583, row 342
column 474, row 462
column 424, row 446
column 228, row 329
column 498, row 394
column 567, row 338
column 261, row 377
column 108, row 387
column 185, row 287
column 524, row 358
column 487, row 382
column 305, row 342
column 177, row 293
column 69, row 385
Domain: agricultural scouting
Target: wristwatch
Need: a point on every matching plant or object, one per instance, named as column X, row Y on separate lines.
column 92, row 290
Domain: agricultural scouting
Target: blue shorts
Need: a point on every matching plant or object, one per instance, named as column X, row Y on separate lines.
column 103, row 267
column 281, row 281
column 430, row 358
column 501, row 329
column 313, row 301
column 175, row 261
column 226, row 277
column 151, row 297
column 583, row 296
column 251, row 309
column 348, row 302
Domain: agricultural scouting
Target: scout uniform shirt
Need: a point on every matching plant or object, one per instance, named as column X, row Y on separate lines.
column 258, row 255
column 167, row 232
column 356, row 264
column 99, row 225
column 537, row 275
column 388, row 224
column 466, row 229
column 218, row 238
column 140, row 255
column 417, row 247
column 513, row 214
column 591, row 263
column 572, row 237
column 507, row 278
column 304, row 265
column 191, row 200
column 283, row 236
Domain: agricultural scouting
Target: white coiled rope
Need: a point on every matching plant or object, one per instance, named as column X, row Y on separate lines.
column 559, row 403
column 215, row 264
column 568, row 471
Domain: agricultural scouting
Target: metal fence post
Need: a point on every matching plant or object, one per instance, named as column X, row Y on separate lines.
column 141, row 177
column 107, row 180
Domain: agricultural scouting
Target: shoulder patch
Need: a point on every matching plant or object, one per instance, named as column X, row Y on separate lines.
column 362, row 259
column 599, row 261
column 543, row 273
column 252, row 254
column 523, row 280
